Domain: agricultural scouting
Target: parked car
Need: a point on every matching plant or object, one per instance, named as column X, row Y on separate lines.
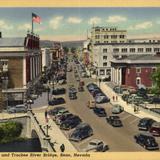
column 96, row 145
column 54, row 111
column 155, row 100
column 56, row 101
column 116, row 109
column 155, row 129
column 70, row 123
column 81, row 132
column 59, row 91
column 114, row 121
column 102, row 99
column 147, row 141
column 91, row 104
column 34, row 96
column 17, row 109
column 60, row 113
column 145, row 123
column 99, row 111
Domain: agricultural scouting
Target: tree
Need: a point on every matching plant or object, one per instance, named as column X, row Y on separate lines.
column 65, row 49
column 73, row 50
column 156, row 81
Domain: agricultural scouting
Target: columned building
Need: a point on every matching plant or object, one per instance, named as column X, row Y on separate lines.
column 134, row 70
column 21, row 59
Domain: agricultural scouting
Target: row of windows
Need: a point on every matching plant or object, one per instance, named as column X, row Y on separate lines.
column 132, row 50
column 138, row 70
column 110, row 42
column 108, row 36
column 105, row 29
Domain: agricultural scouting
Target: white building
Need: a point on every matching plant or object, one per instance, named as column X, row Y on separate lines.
column 46, row 58
column 103, row 53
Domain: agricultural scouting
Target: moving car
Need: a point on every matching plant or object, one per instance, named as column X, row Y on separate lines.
column 155, row 129
column 96, row 145
column 147, row 141
column 116, row 109
column 56, row 101
column 70, row 123
column 91, row 104
column 145, row 123
column 114, row 121
column 17, row 109
column 59, row 91
column 81, row 132
column 99, row 111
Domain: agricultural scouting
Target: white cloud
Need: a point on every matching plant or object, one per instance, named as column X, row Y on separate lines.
column 116, row 19
column 94, row 20
column 55, row 22
column 74, row 20
column 144, row 25
column 24, row 27
column 5, row 26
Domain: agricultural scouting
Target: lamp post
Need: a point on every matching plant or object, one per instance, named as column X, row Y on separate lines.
column 48, row 91
column 47, row 127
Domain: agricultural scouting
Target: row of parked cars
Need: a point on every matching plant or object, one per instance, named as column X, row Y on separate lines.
column 80, row 130
column 97, row 93
column 146, row 139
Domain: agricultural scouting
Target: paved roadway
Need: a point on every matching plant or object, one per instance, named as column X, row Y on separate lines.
column 118, row 139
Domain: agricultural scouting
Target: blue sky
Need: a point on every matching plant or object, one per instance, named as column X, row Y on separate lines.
column 72, row 23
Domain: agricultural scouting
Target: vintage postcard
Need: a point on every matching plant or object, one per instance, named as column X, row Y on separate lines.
column 80, row 80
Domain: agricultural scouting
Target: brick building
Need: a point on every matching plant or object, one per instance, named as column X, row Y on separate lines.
column 134, row 70
column 20, row 65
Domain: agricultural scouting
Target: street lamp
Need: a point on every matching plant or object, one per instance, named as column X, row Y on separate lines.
column 48, row 91
column 47, row 127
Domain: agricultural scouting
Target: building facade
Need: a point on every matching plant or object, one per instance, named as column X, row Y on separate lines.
column 134, row 70
column 21, row 65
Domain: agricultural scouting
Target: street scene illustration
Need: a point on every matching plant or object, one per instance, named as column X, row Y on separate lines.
column 79, row 79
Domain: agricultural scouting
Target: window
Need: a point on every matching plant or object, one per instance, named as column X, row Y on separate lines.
column 148, row 49
column 128, row 70
column 124, row 50
column 97, row 41
column 116, row 50
column 140, row 49
column 138, row 70
column 154, row 69
column 105, row 64
column 3, row 65
column 132, row 50
column 105, row 41
column 121, row 36
column 97, row 36
column 138, row 81
column 104, row 57
column 113, row 36
column 105, row 36
column 101, row 71
column 156, row 49
column 121, row 41
column 104, row 50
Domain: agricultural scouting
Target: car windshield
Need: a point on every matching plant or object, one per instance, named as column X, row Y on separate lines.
column 93, row 143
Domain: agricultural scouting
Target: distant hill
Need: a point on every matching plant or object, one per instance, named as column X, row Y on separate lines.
column 74, row 44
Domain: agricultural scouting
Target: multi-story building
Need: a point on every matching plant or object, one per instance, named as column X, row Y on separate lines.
column 21, row 65
column 108, row 35
column 46, row 59
column 134, row 70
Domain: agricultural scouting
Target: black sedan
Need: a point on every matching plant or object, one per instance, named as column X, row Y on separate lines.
column 99, row 112
column 56, row 101
column 114, row 121
column 145, row 123
column 59, row 91
column 147, row 141
column 70, row 123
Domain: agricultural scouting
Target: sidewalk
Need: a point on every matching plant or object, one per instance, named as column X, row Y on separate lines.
column 57, row 137
column 127, row 107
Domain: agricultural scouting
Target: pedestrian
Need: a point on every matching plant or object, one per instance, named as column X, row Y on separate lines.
column 116, row 98
column 135, row 109
column 62, row 148
column 46, row 116
column 113, row 98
